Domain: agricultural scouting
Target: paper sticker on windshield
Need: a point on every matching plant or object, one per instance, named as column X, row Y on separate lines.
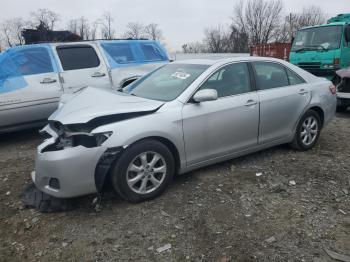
column 181, row 75
column 299, row 43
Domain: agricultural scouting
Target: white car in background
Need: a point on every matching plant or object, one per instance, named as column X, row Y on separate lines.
column 34, row 77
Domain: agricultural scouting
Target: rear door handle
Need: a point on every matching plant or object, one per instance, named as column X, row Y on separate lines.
column 48, row 81
column 98, row 74
column 251, row 103
column 303, row 92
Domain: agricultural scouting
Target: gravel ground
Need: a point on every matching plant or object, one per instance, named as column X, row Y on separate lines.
column 298, row 206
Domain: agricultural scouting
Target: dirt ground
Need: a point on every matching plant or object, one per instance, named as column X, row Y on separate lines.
column 297, row 207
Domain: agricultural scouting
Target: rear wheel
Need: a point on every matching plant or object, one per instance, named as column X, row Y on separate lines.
column 143, row 171
column 307, row 132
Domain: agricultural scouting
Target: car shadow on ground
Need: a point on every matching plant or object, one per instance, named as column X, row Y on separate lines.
column 20, row 136
column 111, row 199
column 345, row 114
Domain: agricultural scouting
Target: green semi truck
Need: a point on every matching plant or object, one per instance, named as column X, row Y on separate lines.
column 324, row 49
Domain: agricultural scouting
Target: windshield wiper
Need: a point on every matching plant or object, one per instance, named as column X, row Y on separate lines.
column 311, row 48
column 300, row 49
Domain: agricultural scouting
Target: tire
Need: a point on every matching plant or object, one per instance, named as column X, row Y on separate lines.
column 341, row 109
column 307, row 130
column 135, row 177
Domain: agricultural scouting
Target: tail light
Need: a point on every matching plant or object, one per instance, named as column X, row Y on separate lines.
column 333, row 89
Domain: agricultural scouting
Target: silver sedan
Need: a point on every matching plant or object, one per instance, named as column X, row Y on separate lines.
column 183, row 116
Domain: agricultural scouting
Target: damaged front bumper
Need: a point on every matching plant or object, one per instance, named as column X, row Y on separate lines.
column 72, row 171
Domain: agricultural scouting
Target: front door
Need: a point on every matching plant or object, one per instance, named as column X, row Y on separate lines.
column 82, row 66
column 29, row 86
column 229, row 124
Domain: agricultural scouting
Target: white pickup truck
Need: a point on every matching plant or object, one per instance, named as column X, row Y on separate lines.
column 33, row 77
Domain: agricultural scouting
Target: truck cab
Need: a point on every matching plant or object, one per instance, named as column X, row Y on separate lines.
column 323, row 49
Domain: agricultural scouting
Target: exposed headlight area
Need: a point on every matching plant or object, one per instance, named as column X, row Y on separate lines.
column 68, row 137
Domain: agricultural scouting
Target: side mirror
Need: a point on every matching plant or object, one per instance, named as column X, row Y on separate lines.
column 205, row 95
column 347, row 34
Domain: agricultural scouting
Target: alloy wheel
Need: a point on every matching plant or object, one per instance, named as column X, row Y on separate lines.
column 146, row 172
column 309, row 130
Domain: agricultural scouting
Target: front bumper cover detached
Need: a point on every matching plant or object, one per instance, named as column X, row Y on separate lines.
column 73, row 171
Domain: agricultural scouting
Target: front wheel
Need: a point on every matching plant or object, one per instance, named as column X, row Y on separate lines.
column 307, row 132
column 143, row 171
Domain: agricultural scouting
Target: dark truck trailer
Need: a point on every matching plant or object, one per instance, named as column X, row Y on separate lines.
column 276, row 50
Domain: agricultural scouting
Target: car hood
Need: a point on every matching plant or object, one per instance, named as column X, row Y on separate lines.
column 94, row 103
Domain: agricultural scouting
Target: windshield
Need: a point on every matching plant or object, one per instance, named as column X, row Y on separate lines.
column 167, row 82
column 318, row 38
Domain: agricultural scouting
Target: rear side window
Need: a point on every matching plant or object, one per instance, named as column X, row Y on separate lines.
column 152, row 52
column 32, row 61
column 270, row 75
column 77, row 57
column 120, row 53
column 294, row 79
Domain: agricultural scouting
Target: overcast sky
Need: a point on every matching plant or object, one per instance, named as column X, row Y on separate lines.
column 180, row 20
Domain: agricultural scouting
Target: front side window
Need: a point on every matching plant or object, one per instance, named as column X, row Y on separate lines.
column 318, row 38
column 167, row 82
column 270, row 75
column 77, row 57
column 230, row 80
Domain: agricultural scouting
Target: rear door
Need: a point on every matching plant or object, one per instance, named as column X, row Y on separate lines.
column 81, row 66
column 29, row 85
column 283, row 98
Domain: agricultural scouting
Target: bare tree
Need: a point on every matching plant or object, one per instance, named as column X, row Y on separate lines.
column 259, row 19
column 107, row 29
column 194, row 47
column 135, row 31
column 18, row 25
column 84, row 28
column 47, row 17
column 11, row 32
column 93, row 29
column 220, row 40
column 216, row 39
column 311, row 15
column 72, row 26
column 238, row 41
column 6, row 34
column 153, row 32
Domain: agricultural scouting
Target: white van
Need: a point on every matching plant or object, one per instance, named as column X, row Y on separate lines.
column 33, row 77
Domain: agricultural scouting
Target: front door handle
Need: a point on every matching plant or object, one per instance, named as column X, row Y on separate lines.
column 98, row 74
column 48, row 81
column 251, row 103
column 303, row 92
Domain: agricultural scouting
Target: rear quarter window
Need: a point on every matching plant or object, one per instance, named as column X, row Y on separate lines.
column 120, row 53
column 294, row 79
column 77, row 57
column 152, row 52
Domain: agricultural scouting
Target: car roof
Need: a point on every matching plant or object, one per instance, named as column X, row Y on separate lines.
column 211, row 62
column 87, row 42
column 325, row 25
